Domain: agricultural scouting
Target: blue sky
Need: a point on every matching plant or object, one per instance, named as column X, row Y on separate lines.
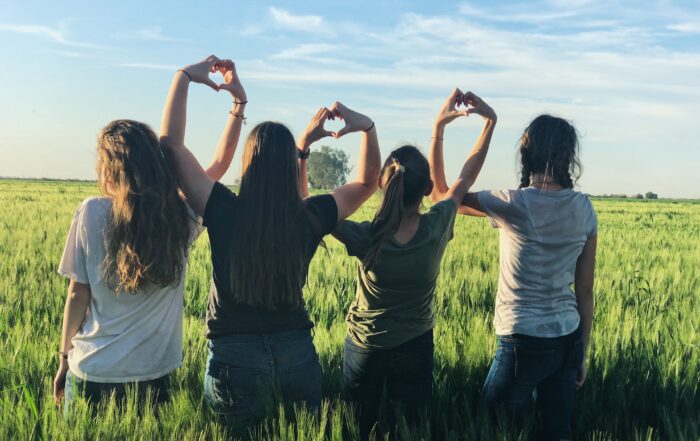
column 626, row 73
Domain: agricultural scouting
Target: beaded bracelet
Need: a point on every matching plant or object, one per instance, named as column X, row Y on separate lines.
column 236, row 115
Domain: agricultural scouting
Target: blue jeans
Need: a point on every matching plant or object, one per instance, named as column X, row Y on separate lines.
column 159, row 390
column 406, row 370
column 541, row 369
column 249, row 375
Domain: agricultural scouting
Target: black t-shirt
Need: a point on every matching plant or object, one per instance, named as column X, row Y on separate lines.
column 226, row 316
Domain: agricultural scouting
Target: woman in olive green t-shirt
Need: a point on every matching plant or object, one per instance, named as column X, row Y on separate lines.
column 390, row 337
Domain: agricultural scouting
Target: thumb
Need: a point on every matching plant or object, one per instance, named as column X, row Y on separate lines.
column 209, row 82
column 344, row 131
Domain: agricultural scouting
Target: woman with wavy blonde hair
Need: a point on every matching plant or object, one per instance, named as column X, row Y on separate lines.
column 126, row 256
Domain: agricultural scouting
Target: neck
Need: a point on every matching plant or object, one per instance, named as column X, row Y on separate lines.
column 544, row 182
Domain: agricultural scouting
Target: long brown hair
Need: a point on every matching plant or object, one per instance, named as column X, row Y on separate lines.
column 148, row 232
column 549, row 145
column 405, row 179
column 268, row 250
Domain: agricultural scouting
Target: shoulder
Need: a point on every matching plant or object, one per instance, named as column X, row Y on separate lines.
column 221, row 201
column 94, row 208
column 325, row 209
column 443, row 209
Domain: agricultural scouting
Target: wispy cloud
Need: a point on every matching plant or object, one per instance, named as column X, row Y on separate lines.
column 52, row 34
column 152, row 66
column 152, row 33
column 304, row 51
column 685, row 28
column 307, row 23
column 70, row 54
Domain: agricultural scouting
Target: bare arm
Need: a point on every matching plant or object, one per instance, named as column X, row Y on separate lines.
column 77, row 302
column 228, row 142
column 351, row 196
column 477, row 156
column 194, row 180
column 585, row 275
column 231, row 135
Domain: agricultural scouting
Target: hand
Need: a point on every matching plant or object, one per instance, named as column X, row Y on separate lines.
column 315, row 130
column 354, row 121
column 449, row 111
column 581, row 376
column 199, row 72
column 59, row 382
column 479, row 106
column 232, row 83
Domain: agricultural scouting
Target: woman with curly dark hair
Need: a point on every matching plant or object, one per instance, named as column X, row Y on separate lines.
column 548, row 234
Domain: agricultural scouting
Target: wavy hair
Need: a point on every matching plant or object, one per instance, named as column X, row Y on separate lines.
column 148, row 232
column 405, row 179
column 549, row 145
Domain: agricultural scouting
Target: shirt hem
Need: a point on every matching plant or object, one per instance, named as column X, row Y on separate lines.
column 130, row 379
column 524, row 331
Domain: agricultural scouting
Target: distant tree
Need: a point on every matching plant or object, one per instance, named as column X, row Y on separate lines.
column 638, row 196
column 328, row 168
column 650, row 195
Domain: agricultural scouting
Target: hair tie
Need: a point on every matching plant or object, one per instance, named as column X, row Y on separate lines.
column 399, row 168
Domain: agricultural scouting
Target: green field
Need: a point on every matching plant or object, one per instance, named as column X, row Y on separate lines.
column 644, row 367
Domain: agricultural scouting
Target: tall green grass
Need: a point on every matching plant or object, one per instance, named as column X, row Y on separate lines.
column 644, row 364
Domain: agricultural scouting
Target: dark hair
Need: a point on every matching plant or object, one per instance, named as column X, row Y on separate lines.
column 148, row 231
column 267, row 254
column 405, row 179
column 549, row 145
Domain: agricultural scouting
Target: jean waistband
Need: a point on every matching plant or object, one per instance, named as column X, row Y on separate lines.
column 272, row 337
column 546, row 341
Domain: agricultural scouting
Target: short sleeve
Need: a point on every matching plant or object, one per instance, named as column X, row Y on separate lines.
column 74, row 261
column 442, row 218
column 355, row 236
column 593, row 221
column 217, row 213
column 195, row 224
column 499, row 206
column 325, row 209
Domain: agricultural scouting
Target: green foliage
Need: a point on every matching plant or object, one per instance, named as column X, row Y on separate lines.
column 644, row 366
column 650, row 195
column 328, row 168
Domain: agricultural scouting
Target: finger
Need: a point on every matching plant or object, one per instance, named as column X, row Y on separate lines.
column 209, row 82
column 344, row 131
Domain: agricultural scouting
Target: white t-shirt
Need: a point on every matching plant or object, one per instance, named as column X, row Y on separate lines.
column 125, row 337
column 542, row 234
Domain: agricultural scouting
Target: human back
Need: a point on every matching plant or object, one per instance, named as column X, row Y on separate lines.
column 125, row 256
column 400, row 253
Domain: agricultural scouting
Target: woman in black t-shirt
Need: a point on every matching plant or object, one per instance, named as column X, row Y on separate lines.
column 262, row 240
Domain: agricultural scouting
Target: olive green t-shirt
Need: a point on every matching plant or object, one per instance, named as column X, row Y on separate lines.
column 394, row 302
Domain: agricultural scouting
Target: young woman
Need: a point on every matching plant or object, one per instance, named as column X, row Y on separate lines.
column 262, row 240
column 548, row 237
column 390, row 337
column 126, row 257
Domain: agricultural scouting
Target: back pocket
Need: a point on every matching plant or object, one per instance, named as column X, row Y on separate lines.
column 532, row 364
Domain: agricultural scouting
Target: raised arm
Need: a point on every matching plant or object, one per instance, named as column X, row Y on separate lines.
column 193, row 179
column 447, row 114
column 583, row 285
column 475, row 160
column 228, row 141
column 351, row 196
column 74, row 311
column 313, row 132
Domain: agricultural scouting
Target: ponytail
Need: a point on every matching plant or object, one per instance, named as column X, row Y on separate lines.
column 388, row 219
